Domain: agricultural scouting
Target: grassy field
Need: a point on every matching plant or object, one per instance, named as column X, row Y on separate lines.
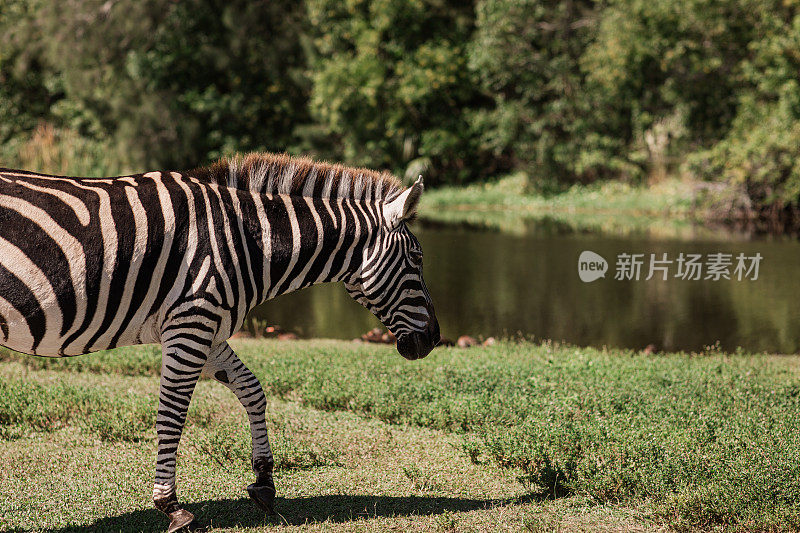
column 515, row 436
column 667, row 208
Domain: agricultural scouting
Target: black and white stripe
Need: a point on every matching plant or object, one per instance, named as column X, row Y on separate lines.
column 180, row 258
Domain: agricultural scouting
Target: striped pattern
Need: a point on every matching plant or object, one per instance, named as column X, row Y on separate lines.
column 180, row 259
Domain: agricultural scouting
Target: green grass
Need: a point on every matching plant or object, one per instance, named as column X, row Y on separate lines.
column 517, row 436
column 95, row 411
column 670, row 197
column 668, row 208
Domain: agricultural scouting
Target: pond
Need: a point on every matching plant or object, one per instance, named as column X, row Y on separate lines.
column 490, row 283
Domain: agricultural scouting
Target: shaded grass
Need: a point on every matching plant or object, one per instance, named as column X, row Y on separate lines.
column 703, row 440
column 323, row 511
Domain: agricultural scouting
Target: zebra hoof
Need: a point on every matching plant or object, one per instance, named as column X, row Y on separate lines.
column 180, row 519
column 264, row 496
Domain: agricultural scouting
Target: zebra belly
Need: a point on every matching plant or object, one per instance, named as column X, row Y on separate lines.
column 18, row 335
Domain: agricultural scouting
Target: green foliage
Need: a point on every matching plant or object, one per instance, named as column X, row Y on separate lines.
column 127, row 361
column 526, row 56
column 760, row 153
column 651, row 60
column 390, row 82
column 156, row 83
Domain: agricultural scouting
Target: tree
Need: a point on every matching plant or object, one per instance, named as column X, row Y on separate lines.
column 391, row 84
column 526, row 54
column 667, row 74
column 760, row 154
column 163, row 83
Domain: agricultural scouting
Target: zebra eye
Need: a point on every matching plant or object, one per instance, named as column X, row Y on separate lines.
column 416, row 257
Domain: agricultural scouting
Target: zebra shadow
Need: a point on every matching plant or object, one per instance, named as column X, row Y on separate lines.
column 228, row 513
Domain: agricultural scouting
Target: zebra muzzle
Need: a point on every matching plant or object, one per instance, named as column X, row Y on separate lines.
column 414, row 346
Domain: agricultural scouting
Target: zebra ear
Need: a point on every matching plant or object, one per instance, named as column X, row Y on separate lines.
column 404, row 206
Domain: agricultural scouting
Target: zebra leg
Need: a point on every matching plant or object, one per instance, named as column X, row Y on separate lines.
column 226, row 367
column 181, row 365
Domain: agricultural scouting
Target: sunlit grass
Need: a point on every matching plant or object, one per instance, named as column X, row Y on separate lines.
column 670, row 197
column 668, row 208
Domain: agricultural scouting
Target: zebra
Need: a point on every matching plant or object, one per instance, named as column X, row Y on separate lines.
column 179, row 258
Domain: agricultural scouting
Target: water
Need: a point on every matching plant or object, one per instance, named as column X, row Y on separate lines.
column 487, row 283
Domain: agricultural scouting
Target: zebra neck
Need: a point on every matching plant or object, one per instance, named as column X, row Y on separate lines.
column 318, row 241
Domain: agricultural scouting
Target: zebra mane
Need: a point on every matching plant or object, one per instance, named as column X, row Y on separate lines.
column 270, row 173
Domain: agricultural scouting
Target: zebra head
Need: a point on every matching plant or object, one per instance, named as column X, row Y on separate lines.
column 389, row 280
